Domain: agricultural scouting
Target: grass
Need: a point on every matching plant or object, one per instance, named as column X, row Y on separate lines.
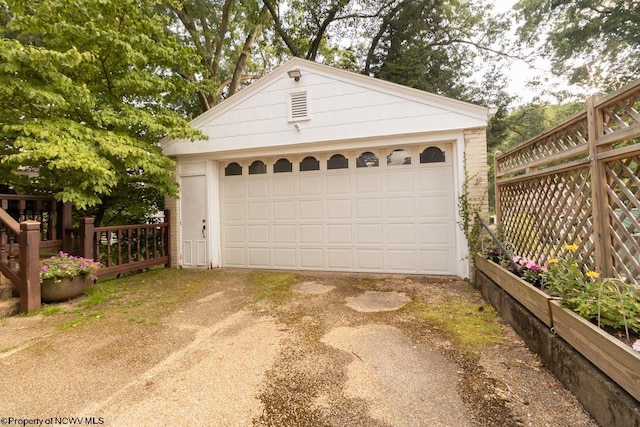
column 466, row 323
column 51, row 310
column 141, row 298
column 45, row 310
column 275, row 287
column 101, row 293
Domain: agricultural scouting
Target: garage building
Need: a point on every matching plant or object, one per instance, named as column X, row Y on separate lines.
column 316, row 168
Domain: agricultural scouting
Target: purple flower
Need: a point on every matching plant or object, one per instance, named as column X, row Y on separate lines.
column 65, row 265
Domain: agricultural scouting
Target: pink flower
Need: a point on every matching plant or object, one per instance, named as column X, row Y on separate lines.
column 636, row 345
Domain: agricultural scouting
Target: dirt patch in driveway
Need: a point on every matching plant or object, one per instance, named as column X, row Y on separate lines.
column 230, row 347
column 496, row 380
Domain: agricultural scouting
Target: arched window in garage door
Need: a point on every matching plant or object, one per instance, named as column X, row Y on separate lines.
column 367, row 160
column 309, row 163
column 257, row 167
column 282, row 165
column 338, row 161
column 232, row 169
column 432, row 155
column 398, row 157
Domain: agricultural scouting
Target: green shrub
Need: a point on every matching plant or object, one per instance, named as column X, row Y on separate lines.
column 607, row 302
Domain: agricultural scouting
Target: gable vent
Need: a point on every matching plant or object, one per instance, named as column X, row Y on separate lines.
column 298, row 106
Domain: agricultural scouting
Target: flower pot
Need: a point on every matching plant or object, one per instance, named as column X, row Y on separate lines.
column 536, row 301
column 53, row 290
column 614, row 358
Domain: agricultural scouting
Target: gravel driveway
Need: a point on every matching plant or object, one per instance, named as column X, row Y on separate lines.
column 234, row 348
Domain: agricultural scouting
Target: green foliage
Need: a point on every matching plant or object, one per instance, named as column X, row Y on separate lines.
column 507, row 131
column 100, row 293
column 222, row 33
column 608, row 302
column 51, row 310
column 46, row 310
column 564, row 277
column 426, row 44
column 129, row 203
column 469, row 208
column 89, row 87
column 430, row 45
column 593, row 42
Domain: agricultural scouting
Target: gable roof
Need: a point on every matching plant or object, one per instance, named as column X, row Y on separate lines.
column 342, row 105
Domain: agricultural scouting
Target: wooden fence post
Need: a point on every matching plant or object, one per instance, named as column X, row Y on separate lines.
column 496, row 184
column 86, row 237
column 167, row 241
column 64, row 225
column 29, row 241
column 602, row 239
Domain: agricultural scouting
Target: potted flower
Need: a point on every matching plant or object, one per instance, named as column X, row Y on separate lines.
column 64, row 276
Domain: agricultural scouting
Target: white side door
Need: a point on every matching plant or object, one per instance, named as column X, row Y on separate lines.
column 193, row 209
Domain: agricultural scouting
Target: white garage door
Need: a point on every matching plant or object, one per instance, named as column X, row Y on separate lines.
column 383, row 210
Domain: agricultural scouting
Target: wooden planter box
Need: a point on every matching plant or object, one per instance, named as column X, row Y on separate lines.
column 619, row 361
column 526, row 294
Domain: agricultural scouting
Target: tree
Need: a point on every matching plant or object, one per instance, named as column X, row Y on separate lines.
column 88, row 89
column 426, row 44
column 223, row 34
column 592, row 42
column 303, row 26
column 508, row 129
column 432, row 44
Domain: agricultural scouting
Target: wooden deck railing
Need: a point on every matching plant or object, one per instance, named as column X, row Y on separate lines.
column 30, row 225
column 125, row 248
column 53, row 217
column 21, row 241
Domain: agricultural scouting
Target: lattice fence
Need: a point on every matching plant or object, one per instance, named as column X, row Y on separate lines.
column 569, row 137
column 578, row 183
column 624, row 215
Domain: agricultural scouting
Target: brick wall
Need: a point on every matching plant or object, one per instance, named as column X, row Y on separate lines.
column 173, row 205
column 475, row 141
column 476, row 161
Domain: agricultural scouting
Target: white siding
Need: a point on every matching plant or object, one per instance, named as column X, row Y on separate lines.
column 342, row 106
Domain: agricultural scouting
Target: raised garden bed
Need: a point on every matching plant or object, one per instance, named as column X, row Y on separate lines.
column 531, row 297
column 617, row 360
column 610, row 355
